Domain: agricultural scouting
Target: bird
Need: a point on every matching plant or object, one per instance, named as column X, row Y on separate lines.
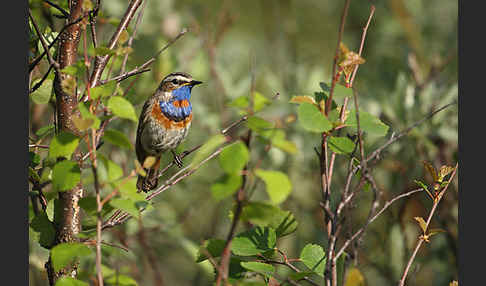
column 163, row 124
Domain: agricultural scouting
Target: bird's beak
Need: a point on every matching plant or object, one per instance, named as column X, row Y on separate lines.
column 195, row 82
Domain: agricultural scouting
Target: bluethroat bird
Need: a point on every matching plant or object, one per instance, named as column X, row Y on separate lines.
column 164, row 123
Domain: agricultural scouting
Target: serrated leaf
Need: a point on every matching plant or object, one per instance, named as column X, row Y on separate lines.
column 234, row 157
column 367, row 123
column 64, row 253
column 65, row 175
column 314, row 257
column 212, row 246
column 303, row 98
column 44, row 228
column 341, row 145
column 262, row 214
column 42, row 95
column 63, row 145
column 103, row 90
column 422, row 223
column 122, row 108
column 262, row 268
column 117, row 138
column 278, row 185
column 69, row 281
column 254, row 241
column 311, row 119
column 226, row 186
column 208, row 147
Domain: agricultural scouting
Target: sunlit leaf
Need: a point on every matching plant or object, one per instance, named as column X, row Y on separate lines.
column 314, row 257
column 63, row 145
column 303, row 98
column 122, row 108
column 234, row 157
column 312, row 119
column 367, row 123
column 116, row 137
column 65, row 175
column 69, row 281
column 444, row 171
column 278, row 185
column 64, row 253
column 208, row 147
column 262, row 214
column 422, row 223
column 226, row 186
column 42, row 95
column 104, row 90
column 262, row 268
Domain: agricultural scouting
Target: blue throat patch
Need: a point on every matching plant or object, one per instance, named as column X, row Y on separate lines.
column 177, row 113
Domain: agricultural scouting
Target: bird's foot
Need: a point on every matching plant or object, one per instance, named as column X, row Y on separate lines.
column 177, row 159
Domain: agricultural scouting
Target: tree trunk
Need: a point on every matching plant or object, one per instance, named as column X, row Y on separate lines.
column 67, row 210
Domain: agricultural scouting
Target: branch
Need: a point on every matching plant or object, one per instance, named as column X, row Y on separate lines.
column 395, row 138
column 64, row 12
column 143, row 67
column 101, row 61
column 363, row 36
column 44, row 44
column 336, row 56
column 421, row 240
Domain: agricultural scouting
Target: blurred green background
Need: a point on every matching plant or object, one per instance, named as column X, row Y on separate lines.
column 287, row 47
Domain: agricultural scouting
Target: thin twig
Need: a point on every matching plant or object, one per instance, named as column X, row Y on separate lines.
column 64, row 12
column 363, row 37
column 44, row 44
column 336, row 57
column 431, row 214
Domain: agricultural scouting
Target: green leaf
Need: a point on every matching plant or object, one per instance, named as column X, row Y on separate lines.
column 86, row 114
column 64, row 253
column 341, row 145
column 68, row 281
column 234, row 157
column 122, row 108
column 212, row 246
column 103, row 90
column 258, row 124
column 34, row 159
column 208, row 148
column 314, row 257
column 121, row 280
column 42, row 95
column 278, row 185
column 114, row 171
column 262, row 214
column 262, row 268
column 65, row 175
column 226, row 186
column 126, row 205
column 277, row 139
column 44, row 228
column 116, row 137
column 312, row 119
column 367, row 123
column 339, row 90
column 63, row 145
column 45, row 130
column 254, row 241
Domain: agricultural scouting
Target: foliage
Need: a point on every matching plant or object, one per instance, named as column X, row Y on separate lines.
column 274, row 67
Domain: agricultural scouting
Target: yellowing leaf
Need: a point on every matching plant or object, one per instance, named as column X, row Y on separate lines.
column 82, row 123
column 454, row 283
column 354, row 278
column 303, row 98
column 431, row 170
column 422, row 223
column 444, row 171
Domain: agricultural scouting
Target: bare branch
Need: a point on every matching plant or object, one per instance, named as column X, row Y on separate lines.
column 64, row 12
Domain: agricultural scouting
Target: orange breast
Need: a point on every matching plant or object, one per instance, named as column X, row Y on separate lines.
column 168, row 123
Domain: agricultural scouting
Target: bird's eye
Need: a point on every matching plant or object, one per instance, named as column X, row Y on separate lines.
column 175, row 81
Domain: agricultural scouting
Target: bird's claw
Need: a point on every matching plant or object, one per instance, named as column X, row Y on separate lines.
column 177, row 159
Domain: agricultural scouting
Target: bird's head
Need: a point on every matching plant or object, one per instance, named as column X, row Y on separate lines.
column 177, row 86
